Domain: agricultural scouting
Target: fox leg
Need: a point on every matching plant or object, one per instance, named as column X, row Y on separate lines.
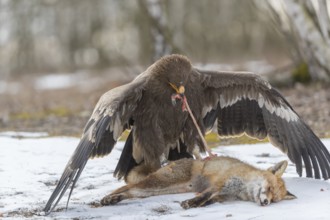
column 117, row 196
column 197, row 201
column 207, row 197
column 171, row 179
column 142, row 190
column 214, row 199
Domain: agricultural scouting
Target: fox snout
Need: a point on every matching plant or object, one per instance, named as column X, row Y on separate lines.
column 263, row 197
column 264, row 202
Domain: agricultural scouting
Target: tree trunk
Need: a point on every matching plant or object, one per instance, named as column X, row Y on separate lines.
column 306, row 26
column 159, row 30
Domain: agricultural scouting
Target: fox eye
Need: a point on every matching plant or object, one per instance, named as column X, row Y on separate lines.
column 268, row 188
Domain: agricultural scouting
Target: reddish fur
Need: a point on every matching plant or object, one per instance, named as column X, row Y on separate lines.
column 215, row 179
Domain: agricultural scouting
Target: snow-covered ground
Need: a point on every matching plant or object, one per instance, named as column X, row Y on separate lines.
column 29, row 168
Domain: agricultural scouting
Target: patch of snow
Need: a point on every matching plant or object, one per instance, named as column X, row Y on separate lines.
column 59, row 81
column 3, row 86
column 29, row 169
column 19, row 134
column 255, row 66
column 215, row 66
column 9, row 87
column 258, row 66
column 4, row 32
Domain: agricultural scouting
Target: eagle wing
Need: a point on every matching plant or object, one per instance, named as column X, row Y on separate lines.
column 111, row 116
column 245, row 103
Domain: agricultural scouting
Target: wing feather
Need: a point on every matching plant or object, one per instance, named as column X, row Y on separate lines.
column 245, row 103
column 111, row 116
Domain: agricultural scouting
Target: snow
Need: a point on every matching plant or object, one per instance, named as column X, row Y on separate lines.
column 9, row 87
column 21, row 134
column 58, row 81
column 30, row 166
column 255, row 66
column 82, row 80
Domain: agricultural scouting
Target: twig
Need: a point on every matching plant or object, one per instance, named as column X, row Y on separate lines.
column 198, row 128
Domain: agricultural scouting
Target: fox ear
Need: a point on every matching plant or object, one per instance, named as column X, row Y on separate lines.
column 289, row 196
column 279, row 168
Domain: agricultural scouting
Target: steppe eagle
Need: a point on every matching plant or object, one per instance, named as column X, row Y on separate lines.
column 160, row 128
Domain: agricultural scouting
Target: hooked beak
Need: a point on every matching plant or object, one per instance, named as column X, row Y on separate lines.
column 180, row 91
column 179, row 95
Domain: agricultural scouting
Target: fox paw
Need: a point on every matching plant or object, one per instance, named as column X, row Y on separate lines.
column 191, row 203
column 197, row 201
column 111, row 199
column 187, row 204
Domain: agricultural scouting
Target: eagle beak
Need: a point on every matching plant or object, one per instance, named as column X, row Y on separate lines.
column 179, row 93
column 179, row 90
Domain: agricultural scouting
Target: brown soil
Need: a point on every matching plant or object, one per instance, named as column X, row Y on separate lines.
column 312, row 103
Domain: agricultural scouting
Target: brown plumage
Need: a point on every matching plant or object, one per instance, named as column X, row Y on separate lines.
column 159, row 128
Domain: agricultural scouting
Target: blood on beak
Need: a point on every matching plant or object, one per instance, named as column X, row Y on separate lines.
column 179, row 95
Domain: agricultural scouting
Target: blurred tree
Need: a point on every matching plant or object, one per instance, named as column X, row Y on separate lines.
column 161, row 35
column 306, row 26
column 56, row 36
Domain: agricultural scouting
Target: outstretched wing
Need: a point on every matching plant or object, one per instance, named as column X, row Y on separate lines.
column 111, row 116
column 245, row 103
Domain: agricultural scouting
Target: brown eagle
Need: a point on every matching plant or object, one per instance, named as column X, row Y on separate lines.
column 160, row 129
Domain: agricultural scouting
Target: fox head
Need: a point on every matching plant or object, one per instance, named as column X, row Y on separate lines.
column 273, row 189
